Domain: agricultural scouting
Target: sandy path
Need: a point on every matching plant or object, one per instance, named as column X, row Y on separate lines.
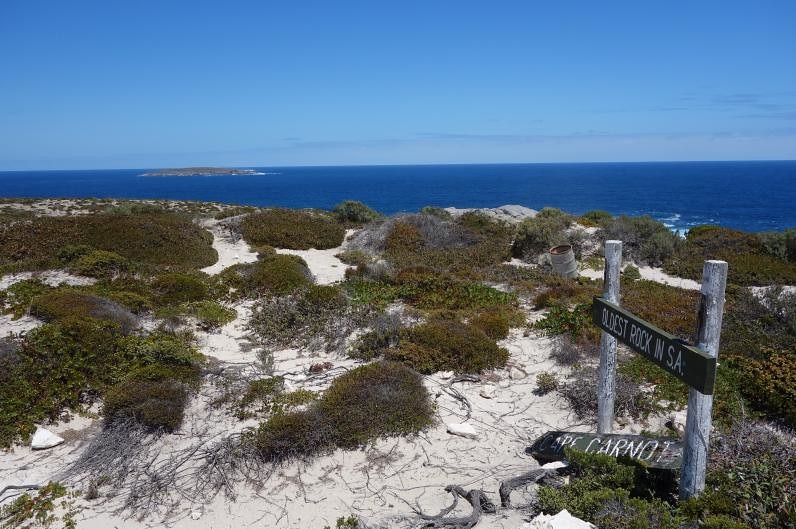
column 650, row 274
column 230, row 250
column 325, row 267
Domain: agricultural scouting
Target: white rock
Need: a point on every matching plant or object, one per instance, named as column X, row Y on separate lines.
column 463, row 430
column 555, row 465
column 517, row 373
column 445, row 375
column 487, row 392
column 562, row 520
column 195, row 515
column 44, row 438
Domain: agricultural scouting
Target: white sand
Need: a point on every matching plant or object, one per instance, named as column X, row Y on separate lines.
column 651, row 274
column 52, row 278
column 374, row 482
column 325, row 267
column 230, row 250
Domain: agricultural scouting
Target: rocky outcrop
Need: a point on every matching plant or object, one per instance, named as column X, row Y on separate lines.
column 513, row 214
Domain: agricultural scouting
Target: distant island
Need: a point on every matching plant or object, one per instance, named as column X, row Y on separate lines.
column 201, row 171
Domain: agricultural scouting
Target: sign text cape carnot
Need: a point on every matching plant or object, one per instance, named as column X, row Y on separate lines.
column 690, row 364
column 654, row 452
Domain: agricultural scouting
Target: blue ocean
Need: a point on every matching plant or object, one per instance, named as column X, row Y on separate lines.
column 752, row 196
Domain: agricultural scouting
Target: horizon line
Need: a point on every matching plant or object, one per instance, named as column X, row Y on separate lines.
column 410, row 164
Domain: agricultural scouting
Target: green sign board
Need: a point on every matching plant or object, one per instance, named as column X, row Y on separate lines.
column 655, row 452
column 690, row 364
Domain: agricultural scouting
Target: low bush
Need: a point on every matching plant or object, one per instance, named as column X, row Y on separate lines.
column 579, row 391
column 175, row 288
column 780, row 244
column 384, row 333
column 441, row 213
column 631, row 273
column 376, row 400
column 276, row 275
column 210, row 314
column 557, row 290
column 157, row 239
column 355, row 257
column 575, row 322
column 355, row 212
column 546, row 382
column 497, row 323
column 155, row 404
column 644, row 239
column 259, row 397
column 316, row 316
column 672, row 309
column 537, row 235
column 18, row 297
column 61, row 305
column 597, row 217
column 234, row 212
column 749, row 484
column 382, row 399
column 749, row 264
column 612, row 493
column 100, row 264
column 292, row 229
column 569, row 351
column 447, row 345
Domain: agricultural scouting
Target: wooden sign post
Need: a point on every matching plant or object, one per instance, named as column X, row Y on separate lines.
column 694, row 365
column 606, row 382
column 700, row 405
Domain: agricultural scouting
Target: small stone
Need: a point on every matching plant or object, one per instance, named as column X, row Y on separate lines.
column 44, row 438
column 445, row 375
column 487, row 392
column 517, row 374
column 462, row 430
column 195, row 515
column 555, row 465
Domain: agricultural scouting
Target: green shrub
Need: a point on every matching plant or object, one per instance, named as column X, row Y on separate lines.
column 749, row 264
column 597, row 217
column 69, row 304
column 276, row 275
column 546, row 382
column 382, row 399
column 376, row 400
column 311, row 317
column 153, row 239
column 174, row 288
column 296, row 230
column 497, row 323
column 561, row 320
column 234, row 212
column 155, row 404
column 100, row 264
column 537, row 235
column 210, row 314
column 557, row 290
column 441, row 213
column 355, row 257
column 644, row 239
column 39, row 509
column 20, row 295
column 447, row 345
column 355, row 212
column 70, row 252
column 780, row 244
column 631, row 273
column 260, row 393
column 57, row 366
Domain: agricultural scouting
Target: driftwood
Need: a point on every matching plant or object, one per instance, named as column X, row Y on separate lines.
column 507, row 486
column 18, row 487
column 477, row 500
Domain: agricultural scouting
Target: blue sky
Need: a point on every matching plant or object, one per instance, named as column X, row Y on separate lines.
column 260, row 83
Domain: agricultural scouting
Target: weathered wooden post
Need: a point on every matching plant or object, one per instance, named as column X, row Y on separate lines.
column 700, row 406
column 607, row 375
